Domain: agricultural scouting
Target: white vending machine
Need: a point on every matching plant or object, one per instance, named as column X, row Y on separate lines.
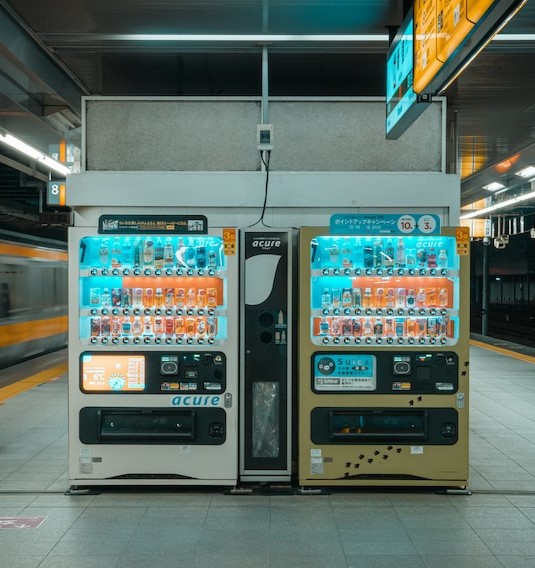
column 153, row 352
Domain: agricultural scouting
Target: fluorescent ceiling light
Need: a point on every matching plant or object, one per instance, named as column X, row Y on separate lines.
column 527, row 172
column 33, row 153
column 501, row 205
column 493, row 186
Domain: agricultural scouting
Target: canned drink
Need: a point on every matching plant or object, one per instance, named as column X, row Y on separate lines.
column 169, row 326
column 378, row 327
column 211, row 297
column 400, row 327
column 432, row 327
column 190, row 327
column 201, row 298
column 421, row 257
column 211, row 326
column 357, row 326
column 179, row 326
column 336, row 328
column 158, row 325
column 126, row 298
column 116, row 297
column 126, row 327
column 115, row 326
column 105, row 327
column 421, row 327
column 347, row 327
column 200, row 327
column 95, row 327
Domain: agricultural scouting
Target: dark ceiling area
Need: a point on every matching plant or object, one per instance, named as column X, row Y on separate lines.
column 53, row 53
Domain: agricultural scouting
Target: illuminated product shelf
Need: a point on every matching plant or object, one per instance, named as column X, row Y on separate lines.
column 394, row 291
column 174, row 295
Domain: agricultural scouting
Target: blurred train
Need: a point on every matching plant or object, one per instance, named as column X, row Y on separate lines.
column 33, row 297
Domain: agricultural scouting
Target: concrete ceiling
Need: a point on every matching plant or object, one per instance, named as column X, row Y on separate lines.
column 52, row 53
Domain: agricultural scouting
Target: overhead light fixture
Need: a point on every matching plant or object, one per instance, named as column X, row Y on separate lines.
column 494, row 186
column 501, row 205
column 527, row 172
column 33, row 153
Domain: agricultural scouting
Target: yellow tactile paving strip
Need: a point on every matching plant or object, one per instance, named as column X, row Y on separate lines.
column 30, row 382
column 509, row 353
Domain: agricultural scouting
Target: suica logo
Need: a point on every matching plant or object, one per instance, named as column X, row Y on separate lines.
column 266, row 243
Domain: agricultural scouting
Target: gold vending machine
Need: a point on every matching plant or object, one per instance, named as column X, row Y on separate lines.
column 383, row 359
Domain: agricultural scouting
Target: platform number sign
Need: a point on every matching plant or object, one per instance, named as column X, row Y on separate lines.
column 55, row 194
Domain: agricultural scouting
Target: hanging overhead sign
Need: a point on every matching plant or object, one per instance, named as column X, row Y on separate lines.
column 448, row 34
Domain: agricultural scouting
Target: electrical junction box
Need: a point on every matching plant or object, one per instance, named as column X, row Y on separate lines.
column 264, row 136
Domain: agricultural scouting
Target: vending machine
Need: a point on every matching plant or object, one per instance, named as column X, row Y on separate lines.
column 267, row 359
column 153, row 352
column 383, row 362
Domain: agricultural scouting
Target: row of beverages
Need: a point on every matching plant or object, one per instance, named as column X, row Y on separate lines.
column 383, row 327
column 154, row 297
column 342, row 298
column 148, row 326
column 377, row 253
column 156, row 253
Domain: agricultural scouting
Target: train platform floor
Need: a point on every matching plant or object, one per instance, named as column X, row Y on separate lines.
column 494, row 527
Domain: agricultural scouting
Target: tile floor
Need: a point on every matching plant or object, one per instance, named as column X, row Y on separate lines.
column 494, row 527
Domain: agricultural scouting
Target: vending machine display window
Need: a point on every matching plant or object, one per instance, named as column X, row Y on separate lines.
column 394, row 290
column 152, row 290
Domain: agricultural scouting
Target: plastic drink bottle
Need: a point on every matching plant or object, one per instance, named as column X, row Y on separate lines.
column 169, row 299
column 324, row 326
column 442, row 260
column 378, row 253
column 443, row 298
column 400, row 253
column 116, row 250
column 148, row 298
column 158, row 298
column 148, row 253
column 357, row 297
column 126, row 252
column 158, row 254
column 104, row 253
column 201, row 256
column 168, row 254
column 389, row 254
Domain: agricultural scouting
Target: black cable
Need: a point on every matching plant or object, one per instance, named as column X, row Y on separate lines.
column 266, row 165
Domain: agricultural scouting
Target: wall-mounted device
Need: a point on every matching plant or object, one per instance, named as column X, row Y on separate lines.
column 264, row 136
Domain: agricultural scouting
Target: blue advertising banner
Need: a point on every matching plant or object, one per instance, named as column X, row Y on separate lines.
column 388, row 224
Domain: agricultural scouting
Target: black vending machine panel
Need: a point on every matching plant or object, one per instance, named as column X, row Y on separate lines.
column 267, row 359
